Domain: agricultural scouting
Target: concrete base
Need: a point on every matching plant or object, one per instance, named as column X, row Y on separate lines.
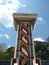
column 15, row 64
column 36, row 64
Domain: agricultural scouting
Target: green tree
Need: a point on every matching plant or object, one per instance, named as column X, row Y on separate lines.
column 2, row 47
column 6, row 54
column 10, row 52
column 2, row 50
column 47, row 39
column 42, row 50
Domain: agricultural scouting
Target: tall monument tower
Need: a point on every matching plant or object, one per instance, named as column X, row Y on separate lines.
column 24, row 49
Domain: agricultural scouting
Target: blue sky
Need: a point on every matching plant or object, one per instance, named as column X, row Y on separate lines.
column 8, row 7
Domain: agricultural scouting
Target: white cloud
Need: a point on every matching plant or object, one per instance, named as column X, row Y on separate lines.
column 39, row 39
column 6, row 21
column 7, row 8
column 24, row 5
column 40, row 19
column 1, row 35
column 7, row 36
column 9, row 46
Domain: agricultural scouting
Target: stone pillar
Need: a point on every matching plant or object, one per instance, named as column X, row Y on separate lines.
column 24, row 50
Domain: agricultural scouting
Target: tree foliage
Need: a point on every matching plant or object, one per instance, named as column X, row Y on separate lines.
column 2, row 47
column 47, row 39
column 42, row 50
column 10, row 52
column 6, row 54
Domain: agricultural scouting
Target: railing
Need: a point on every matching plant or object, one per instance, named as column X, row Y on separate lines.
column 8, row 62
column 44, row 62
column 5, row 62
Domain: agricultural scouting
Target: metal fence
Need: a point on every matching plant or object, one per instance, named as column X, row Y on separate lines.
column 5, row 62
column 8, row 62
column 44, row 62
